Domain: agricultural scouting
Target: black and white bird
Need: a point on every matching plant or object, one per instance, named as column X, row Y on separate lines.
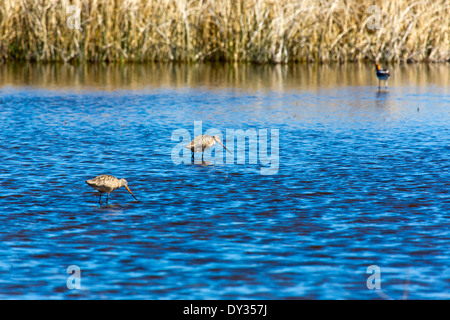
column 382, row 75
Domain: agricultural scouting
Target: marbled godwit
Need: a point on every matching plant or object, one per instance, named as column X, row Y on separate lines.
column 203, row 142
column 382, row 75
column 107, row 184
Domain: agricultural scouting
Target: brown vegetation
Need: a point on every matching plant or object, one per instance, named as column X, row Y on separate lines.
column 260, row 31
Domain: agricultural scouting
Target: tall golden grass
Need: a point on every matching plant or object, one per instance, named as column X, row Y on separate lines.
column 260, row 31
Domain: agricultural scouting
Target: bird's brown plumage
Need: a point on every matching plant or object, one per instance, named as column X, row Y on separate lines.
column 203, row 142
column 106, row 183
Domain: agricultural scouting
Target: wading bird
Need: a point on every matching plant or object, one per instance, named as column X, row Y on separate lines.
column 203, row 142
column 382, row 75
column 107, row 184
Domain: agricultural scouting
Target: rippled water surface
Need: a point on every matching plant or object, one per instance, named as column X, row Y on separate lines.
column 363, row 179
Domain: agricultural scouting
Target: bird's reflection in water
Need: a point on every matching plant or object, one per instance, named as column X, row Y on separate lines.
column 111, row 208
column 381, row 98
column 105, row 206
column 109, row 211
column 382, row 94
column 203, row 163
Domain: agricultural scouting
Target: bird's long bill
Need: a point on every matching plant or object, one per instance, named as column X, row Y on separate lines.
column 131, row 193
column 224, row 147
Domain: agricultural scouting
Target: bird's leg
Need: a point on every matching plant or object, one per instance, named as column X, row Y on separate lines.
column 193, row 159
column 100, row 198
column 379, row 84
column 203, row 154
column 107, row 198
column 386, row 84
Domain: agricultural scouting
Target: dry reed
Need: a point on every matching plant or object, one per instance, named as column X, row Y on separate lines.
column 260, row 31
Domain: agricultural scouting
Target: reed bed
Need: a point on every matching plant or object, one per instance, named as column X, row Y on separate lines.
column 259, row 31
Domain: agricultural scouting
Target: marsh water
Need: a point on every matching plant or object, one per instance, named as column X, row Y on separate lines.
column 362, row 180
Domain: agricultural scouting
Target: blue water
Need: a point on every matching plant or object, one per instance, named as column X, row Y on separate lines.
column 363, row 179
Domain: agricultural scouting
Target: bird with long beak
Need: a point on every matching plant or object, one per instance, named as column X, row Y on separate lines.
column 382, row 75
column 203, row 142
column 107, row 184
